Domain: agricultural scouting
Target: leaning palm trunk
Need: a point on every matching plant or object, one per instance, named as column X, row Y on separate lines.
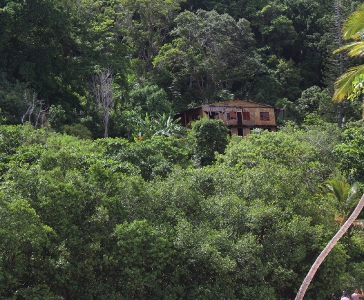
column 326, row 251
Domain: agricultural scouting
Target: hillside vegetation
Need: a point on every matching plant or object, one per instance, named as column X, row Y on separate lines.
column 104, row 196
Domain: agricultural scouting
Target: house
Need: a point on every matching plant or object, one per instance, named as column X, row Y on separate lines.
column 240, row 116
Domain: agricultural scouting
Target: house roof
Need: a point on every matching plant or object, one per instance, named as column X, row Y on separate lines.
column 229, row 103
column 238, row 102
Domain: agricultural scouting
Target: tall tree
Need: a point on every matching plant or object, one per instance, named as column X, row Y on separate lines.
column 37, row 46
column 103, row 89
column 209, row 137
column 338, row 23
column 210, row 52
column 146, row 25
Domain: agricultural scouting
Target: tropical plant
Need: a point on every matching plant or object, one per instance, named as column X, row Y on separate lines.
column 352, row 30
column 347, row 198
column 158, row 126
column 306, row 282
column 170, row 127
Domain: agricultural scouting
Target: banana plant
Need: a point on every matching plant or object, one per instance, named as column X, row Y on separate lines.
column 161, row 125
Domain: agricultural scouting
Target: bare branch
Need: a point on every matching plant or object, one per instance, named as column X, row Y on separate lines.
column 103, row 89
column 36, row 111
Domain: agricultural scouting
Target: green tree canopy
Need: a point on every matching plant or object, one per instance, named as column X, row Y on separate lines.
column 209, row 53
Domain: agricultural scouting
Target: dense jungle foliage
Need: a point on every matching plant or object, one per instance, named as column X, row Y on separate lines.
column 104, row 196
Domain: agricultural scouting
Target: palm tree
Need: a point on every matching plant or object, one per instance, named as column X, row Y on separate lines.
column 306, row 282
column 353, row 29
column 347, row 198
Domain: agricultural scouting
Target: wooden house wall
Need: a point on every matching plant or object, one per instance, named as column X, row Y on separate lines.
column 246, row 131
column 191, row 115
column 232, row 114
column 234, row 131
column 255, row 116
column 222, row 113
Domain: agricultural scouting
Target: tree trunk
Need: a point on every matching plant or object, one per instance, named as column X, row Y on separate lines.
column 326, row 251
column 340, row 114
column 338, row 21
column 102, row 86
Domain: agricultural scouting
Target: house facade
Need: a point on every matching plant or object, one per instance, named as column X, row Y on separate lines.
column 240, row 116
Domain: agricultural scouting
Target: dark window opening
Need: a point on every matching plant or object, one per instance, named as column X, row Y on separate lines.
column 195, row 117
column 240, row 131
column 213, row 115
column 264, row 116
column 246, row 115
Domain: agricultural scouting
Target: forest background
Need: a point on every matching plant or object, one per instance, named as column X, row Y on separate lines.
column 104, row 196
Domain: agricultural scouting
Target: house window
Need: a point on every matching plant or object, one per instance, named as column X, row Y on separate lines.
column 231, row 115
column 212, row 115
column 264, row 116
column 246, row 115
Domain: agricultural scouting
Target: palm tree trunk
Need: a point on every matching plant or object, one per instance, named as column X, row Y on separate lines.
column 326, row 251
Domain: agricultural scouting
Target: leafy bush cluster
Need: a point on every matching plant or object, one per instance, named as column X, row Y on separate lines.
column 113, row 219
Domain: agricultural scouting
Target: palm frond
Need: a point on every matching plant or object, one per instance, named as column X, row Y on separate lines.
column 358, row 224
column 343, row 85
column 346, row 196
column 354, row 24
column 339, row 189
column 356, row 49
